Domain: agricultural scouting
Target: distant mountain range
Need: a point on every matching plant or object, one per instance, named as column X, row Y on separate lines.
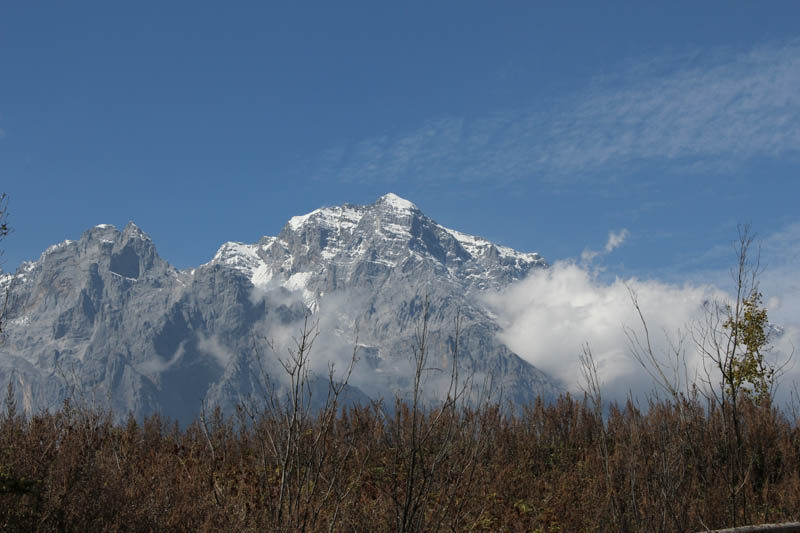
column 106, row 320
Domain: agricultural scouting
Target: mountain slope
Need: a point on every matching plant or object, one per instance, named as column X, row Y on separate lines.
column 106, row 316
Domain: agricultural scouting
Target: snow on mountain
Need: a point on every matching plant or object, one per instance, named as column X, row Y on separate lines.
column 400, row 204
column 384, row 233
column 107, row 315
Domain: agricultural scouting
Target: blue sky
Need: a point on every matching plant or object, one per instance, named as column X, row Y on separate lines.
column 541, row 127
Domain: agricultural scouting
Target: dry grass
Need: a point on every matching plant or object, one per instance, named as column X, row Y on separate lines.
column 541, row 469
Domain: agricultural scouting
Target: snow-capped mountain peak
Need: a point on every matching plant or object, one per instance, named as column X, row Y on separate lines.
column 396, row 202
column 349, row 240
column 348, row 216
column 345, row 216
column 158, row 339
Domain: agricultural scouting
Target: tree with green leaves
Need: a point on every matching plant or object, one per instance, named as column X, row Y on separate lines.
column 734, row 342
column 750, row 373
column 733, row 336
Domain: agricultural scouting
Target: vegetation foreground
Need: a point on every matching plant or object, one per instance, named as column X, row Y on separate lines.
column 556, row 467
column 697, row 458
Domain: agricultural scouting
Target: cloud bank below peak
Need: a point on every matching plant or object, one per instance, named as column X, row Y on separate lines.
column 548, row 317
column 700, row 112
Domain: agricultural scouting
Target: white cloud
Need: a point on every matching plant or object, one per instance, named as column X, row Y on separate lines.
column 333, row 329
column 780, row 281
column 213, row 347
column 549, row 316
column 698, row 113
column 157, row 365
column 615, row 240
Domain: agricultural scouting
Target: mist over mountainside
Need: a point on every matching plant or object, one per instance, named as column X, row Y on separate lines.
column 106, row 320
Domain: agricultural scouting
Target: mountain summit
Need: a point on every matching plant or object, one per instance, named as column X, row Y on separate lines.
column 363, row 244
column 105, row 315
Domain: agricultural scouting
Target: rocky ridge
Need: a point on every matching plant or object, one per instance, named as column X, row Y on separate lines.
column 106, row 318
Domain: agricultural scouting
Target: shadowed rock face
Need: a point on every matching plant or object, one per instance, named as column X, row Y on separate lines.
column 105, row 320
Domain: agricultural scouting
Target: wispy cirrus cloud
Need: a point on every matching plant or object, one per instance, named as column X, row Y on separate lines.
column 699, row 112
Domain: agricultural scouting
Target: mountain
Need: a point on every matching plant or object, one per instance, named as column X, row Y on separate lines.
column 106, row 319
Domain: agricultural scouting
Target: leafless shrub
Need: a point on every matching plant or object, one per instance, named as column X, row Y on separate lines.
column 304, row 447
column 434, row 450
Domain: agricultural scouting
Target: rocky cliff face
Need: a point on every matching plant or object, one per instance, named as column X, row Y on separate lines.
column 107, row 321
